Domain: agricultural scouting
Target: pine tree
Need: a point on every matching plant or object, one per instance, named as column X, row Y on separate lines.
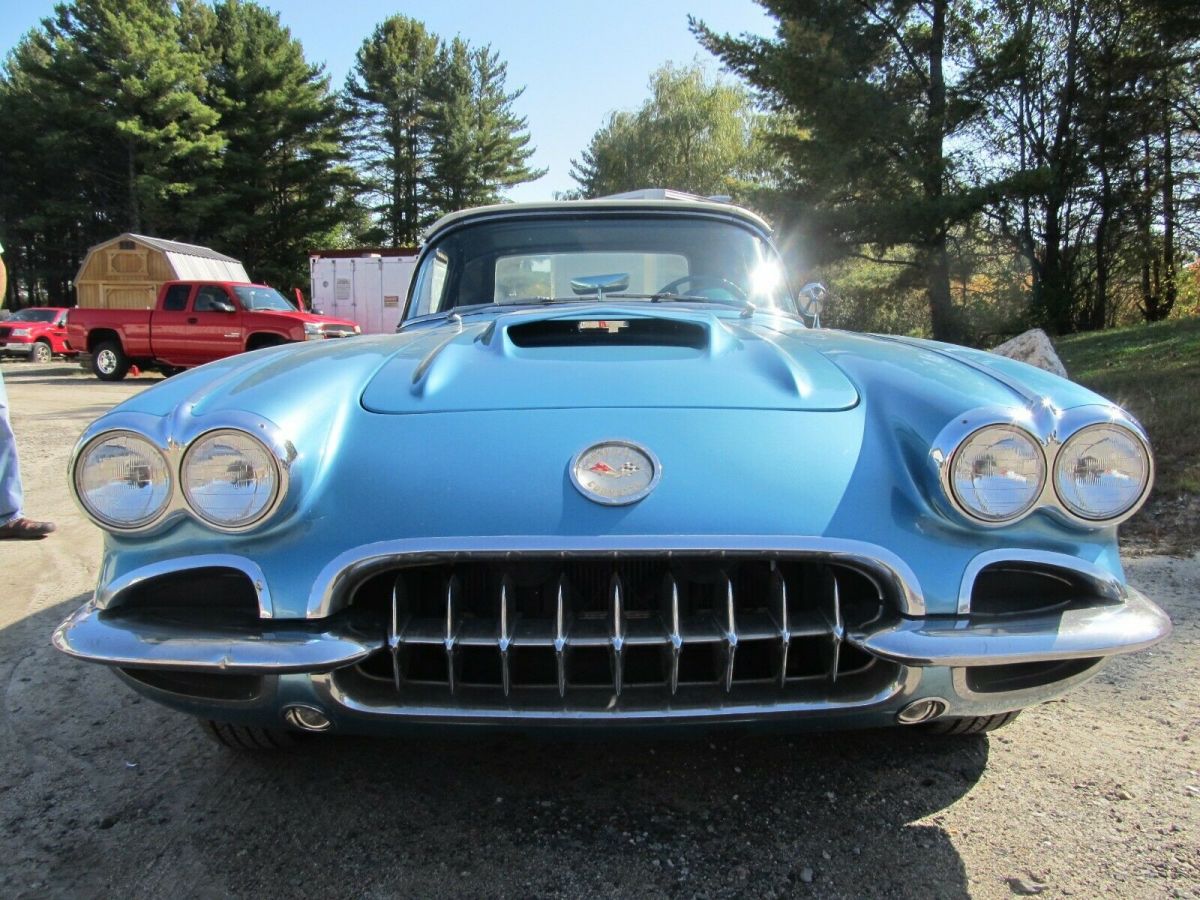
column 278, row 191
column 477, row 145
column 386, row 96
column 136, row 93
column 877, row 92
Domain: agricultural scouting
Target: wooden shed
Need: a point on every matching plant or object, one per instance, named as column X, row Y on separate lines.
column 127, row 271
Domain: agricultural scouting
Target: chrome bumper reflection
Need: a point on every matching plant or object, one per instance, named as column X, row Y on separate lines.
column 1095, row 631
column 275, row 647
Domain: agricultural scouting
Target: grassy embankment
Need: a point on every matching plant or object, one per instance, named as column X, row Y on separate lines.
column 1154, row 372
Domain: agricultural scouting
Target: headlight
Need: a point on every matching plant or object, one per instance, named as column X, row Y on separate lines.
column 229, row 479
column 1102, row 472
column 997, row 473
column 313, row 331
column 20, row 332
column 122, row 480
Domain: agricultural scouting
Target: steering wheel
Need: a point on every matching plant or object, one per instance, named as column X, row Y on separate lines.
column 703, row 283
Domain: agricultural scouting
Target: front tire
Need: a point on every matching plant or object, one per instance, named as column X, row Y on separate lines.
column 970, row 724
column 42, row 352
column 109, row 362
column 249, row 737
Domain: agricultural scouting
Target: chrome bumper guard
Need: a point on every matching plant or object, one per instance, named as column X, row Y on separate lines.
column 1093, row 631
column 283, row 646
column 277, row 647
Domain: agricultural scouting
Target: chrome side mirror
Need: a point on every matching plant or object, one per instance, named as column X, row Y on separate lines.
column 600, row 284
column 812, row 299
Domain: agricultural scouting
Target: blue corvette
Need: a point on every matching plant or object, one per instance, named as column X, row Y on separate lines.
column 606, row 475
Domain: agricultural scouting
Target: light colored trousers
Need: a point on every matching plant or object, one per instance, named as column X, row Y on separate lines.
column 11, row 497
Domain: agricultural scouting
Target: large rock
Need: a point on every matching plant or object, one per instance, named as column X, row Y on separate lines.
column 1033, row 347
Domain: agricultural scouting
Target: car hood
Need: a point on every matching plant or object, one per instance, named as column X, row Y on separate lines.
column 301, row 316
column 602, row 355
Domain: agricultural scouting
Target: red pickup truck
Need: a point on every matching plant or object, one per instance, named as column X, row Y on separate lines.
column 37, row 332
column 192, row 323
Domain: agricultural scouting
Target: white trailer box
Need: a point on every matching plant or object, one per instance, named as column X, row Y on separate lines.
column 365, row 286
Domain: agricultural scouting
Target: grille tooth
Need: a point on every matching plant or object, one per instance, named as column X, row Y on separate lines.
column 729, row 626
column 504, row 638
column 674, row 631
column 453, row 623
column 616, row 612
column 779, row 611
column 839, row 629
column 399, row 620
column 560, row 634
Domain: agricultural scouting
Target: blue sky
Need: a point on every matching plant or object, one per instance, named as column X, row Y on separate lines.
column 577, row 60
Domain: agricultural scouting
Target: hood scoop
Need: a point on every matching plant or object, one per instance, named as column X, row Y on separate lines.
column 609, row 333
column 607, row 356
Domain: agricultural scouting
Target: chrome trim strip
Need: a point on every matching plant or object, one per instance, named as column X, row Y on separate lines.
column 1107, row 584
column 335, row 698
column 106, row 593
column 1022, row 697
column 330, row 590
column 1074, row 634
column 283, row 646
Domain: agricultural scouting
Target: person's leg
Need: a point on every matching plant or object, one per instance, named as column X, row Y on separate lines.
column 13, row 525
column 11, row 496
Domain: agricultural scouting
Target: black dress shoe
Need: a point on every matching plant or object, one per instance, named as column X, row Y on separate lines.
column 22, row 529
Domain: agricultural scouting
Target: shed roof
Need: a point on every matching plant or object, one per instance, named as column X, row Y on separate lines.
column 187, row 261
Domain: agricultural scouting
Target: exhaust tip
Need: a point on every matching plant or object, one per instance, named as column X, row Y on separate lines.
column 922, row 711
column 307, row 718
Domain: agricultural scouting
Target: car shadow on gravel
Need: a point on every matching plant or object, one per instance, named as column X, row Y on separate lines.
column 106, row 792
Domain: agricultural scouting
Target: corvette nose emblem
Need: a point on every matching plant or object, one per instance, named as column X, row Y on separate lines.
column 615, row 473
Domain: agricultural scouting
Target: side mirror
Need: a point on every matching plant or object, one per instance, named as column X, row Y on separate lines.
column 599, row 284
column 812, row 299
column 224, row 306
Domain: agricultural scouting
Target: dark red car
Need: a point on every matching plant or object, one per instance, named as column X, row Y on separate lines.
column 38, row 332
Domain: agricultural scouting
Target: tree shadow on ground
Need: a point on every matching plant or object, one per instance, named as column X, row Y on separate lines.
column 107, row 792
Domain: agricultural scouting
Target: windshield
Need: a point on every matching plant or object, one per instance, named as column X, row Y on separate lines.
column 262, row 298
column 563, row 259
column 35, row 315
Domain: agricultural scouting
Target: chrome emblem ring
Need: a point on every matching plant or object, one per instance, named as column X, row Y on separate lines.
column 615, row 473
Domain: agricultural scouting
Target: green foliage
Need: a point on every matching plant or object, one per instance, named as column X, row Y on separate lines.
column 386, row 94
column 1153, row 371
column 693, row 134
column 479, row 146
column 871, row 99
column 279, row 188
column 175, row 119
column 434, row 128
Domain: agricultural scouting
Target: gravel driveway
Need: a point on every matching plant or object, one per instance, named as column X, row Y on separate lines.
column 104, row 794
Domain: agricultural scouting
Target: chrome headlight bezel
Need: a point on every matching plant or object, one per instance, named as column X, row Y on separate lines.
column 106, row 522
column 280, row 489
column 173, row 436
column 1051, row 429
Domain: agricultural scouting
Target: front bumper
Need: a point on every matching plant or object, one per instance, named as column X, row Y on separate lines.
column 19, row 348
column 314, row 663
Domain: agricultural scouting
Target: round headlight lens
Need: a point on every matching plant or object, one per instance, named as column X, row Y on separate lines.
column 122, row 480
column 230, row 479
column 1101, row 472
column 997, row 473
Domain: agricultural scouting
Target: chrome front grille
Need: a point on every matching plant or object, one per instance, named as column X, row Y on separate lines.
column 668, row 629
